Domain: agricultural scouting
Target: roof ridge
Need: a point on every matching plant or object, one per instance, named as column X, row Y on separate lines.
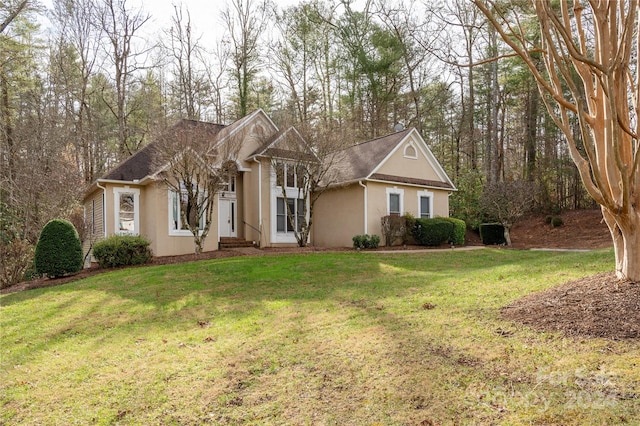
column 379, row 137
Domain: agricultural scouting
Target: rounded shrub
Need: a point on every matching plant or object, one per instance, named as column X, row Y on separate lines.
column 459, row 230
column 556, row 221
column 432, row 232
column 365, row 241
column 59, row 250
column 122, row 250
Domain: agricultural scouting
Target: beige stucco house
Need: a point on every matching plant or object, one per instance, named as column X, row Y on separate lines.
column 395, row 174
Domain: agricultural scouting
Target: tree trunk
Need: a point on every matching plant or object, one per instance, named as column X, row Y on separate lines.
column 507, row 234
column 626, row 243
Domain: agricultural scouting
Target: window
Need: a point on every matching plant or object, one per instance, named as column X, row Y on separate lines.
column 229, row 185
column 296, row 207
column 395, row 203
column 179, row 206
column 410, row 151
column 126, row 204
column 425, row 204
column 291, row 175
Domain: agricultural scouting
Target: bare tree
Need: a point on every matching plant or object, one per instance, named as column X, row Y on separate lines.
column 121, row 26
column 78, row 45
column 592, row 76
column 12, row 11
column 194, row 169
column 190, row 86
column 246, row 21
column 507, row 202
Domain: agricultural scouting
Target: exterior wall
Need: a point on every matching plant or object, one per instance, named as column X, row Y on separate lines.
column 153, row 205
column 338, row 216
column 250, row 196
column 399, row 164
column 155, row 223
column 378, row 194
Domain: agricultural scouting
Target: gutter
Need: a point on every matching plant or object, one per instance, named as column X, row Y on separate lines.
column 366, row 216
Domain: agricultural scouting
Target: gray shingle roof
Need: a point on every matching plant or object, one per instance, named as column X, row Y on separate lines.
column 359, row 161
column 143, row 163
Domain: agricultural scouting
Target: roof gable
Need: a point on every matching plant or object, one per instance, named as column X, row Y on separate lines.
column 286, row 144
column 372, row 160
column 359, row 161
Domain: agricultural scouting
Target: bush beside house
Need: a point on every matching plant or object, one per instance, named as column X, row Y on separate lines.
column 432, row 232
column 122, row 250
column 366, row 241
column 59, row 250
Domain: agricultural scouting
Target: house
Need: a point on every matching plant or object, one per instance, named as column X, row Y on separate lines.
column 389, row 175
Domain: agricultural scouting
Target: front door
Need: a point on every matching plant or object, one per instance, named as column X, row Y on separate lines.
column 227, row 218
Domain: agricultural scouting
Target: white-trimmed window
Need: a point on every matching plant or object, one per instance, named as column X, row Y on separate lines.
column 179, row 204
column 229, row 185
column 395, row 201
column 127, row 210
column 292, row 175
column 410, row 151
column 296, row 207
column 425, row 204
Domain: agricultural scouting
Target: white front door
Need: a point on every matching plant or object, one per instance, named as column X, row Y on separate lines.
column 227, row 218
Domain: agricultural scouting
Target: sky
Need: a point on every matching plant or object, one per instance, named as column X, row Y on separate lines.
column 205, row 14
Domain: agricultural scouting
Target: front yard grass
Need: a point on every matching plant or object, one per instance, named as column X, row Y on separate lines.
column 311, row 339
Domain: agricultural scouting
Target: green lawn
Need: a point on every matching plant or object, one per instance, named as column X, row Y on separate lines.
column 315, row 339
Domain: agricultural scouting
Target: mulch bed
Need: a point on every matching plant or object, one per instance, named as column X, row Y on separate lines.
column 596, row 306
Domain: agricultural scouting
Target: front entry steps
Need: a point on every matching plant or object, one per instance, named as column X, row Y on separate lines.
column 233, row 242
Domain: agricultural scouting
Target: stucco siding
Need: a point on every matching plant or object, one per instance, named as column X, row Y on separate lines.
column 250, row 200
column 403, row 163
column 156, row 216
column 378, row 196
column 338, row 216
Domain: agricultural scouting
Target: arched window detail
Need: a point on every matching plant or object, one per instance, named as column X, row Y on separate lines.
column 410, row 151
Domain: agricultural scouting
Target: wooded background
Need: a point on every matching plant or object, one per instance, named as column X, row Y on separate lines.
column 92, row 87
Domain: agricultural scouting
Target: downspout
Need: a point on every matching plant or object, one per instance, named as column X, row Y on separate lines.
column 259, row 200
column 366, row 216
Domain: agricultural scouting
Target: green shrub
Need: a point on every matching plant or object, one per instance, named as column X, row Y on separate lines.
column 365, row 241
column 59, row 250
column 492, row 234
column 122, row 250
column 410, row 223
column 432, row 232
column 459, row 230
column 556, row 221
